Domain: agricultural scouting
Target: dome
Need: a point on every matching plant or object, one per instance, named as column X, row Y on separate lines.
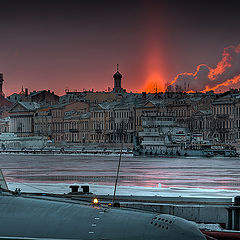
column 117, row 75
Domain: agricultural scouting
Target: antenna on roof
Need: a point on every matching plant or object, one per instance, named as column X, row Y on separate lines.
column 117, row 67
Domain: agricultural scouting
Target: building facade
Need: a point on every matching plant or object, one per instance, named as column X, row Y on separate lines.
column 22, row 118
column 43, row 122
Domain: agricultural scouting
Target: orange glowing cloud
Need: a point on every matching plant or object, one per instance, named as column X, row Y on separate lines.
column 227, row 83
column 225, row 75
column 222, row 65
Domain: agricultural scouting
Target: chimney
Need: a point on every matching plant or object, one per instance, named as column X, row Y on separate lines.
column 144, row 95
column 26, row 92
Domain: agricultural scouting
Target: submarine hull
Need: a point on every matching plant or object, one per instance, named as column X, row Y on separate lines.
column 56, row 218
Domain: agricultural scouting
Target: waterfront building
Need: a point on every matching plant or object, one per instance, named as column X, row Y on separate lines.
column 43, row 122
column 182, row 107
column 237, row 119
column 70, row 97
column 57, row 129
column 76, row 127
column 91, row 97
column 22, row 118
column 18, row 97
column 161, row 133
column 223, row 125
column 5, row 104
column 61, row 130
column 152, row 105
column 100, row 97
column 122, row 124
column 98, row 124
column 202, row 123
column 112, row 123
column 42, row 97
column 15, row 97
column 113, row 116
column 4, row 124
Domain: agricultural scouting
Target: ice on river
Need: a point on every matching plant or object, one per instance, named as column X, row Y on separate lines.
column 204, row 177
column 125, row 190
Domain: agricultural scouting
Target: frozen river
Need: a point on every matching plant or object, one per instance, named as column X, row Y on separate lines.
column 208, row 173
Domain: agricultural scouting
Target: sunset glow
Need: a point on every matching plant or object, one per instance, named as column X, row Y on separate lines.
column 155, row 43
column 154, row 83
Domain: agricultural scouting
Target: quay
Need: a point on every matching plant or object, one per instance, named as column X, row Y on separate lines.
column 61, row 151
column 217, row 217
column 200, row 210
column 205, row 211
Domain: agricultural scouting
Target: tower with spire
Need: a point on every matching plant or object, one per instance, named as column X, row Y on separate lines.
column 117, row 81
column 1, row 84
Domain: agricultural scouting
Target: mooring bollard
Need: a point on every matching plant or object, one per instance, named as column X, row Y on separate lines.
column 229, row 223
column 85, row 188
column 234, row 215
column 236, row 212
column 74, row 188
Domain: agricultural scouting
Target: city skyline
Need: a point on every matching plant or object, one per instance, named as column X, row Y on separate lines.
column 76, row 45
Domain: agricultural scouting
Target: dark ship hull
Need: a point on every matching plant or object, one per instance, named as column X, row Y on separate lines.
column 44, row 217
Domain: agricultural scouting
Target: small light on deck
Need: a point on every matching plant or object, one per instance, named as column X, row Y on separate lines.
column 95, row 201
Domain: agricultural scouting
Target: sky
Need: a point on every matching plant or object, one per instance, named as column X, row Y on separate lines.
column 76, row 45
